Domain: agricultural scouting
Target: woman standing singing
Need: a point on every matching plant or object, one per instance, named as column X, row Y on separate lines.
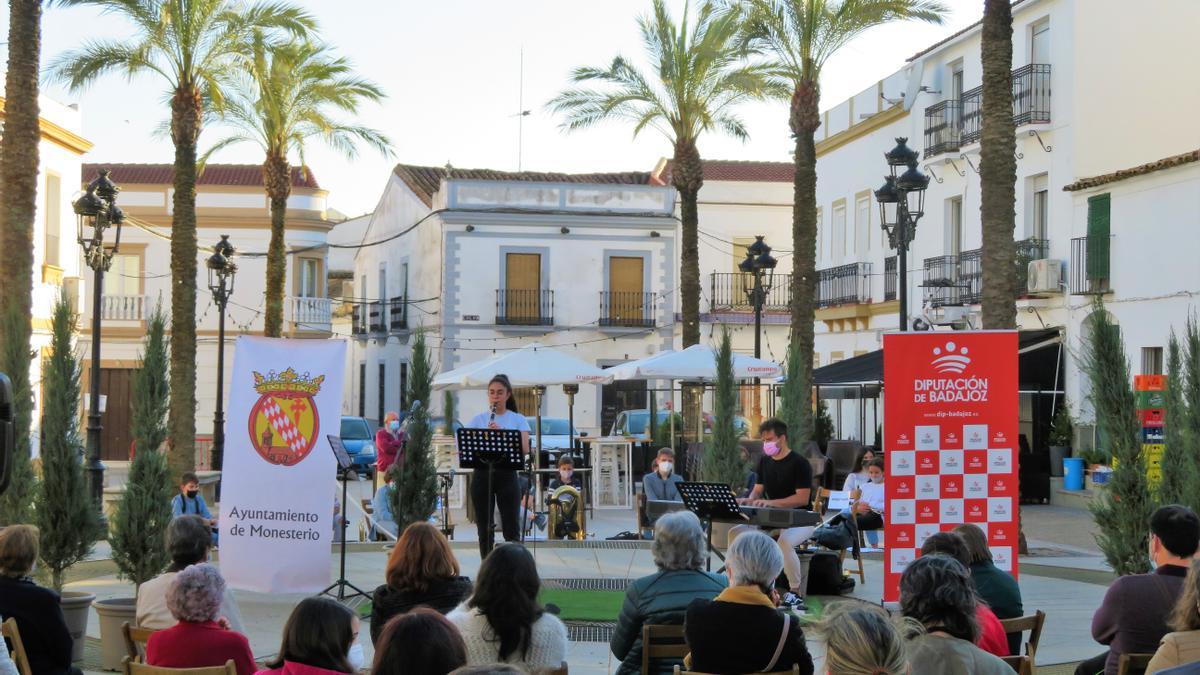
column 506, row 492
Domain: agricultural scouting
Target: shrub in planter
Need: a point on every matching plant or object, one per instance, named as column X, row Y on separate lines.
column 723, row 461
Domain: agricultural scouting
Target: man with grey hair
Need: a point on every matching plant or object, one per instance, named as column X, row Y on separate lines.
column 198, row 640
column 679, row 552
column 742, row 630
column 188, row 542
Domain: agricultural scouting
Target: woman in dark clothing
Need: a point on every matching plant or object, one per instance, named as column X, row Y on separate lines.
column 37, row 610
column 421, row 571
column 742, row 630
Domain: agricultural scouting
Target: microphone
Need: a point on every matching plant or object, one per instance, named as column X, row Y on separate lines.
column 493, row 417
column 412, row 410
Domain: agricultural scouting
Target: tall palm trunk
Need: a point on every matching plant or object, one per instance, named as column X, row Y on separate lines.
column 688, row 177
column 998, row 169
column 185, row 131
column 277, row 175
column 804, row 120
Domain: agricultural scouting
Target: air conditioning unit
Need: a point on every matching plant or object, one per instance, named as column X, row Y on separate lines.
column 1045, row 276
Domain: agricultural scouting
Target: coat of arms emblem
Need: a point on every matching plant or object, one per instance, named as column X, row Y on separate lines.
column 284, row 423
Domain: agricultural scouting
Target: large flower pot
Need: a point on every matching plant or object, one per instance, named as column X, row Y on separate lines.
column 1057, row 454
column 113, row 613
column 75, row 606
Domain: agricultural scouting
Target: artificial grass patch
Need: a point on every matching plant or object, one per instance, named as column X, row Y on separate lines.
column 577, row 605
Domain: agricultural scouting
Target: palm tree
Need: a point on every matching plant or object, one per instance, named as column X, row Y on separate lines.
column 800, row 36
column 699, row 76
column 282, row 100
column 196, row 46
column 998, row 168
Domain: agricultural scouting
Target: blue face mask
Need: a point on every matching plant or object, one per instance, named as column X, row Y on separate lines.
column 394, row 425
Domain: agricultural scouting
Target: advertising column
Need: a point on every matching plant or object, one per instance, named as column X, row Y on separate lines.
column 950, row 431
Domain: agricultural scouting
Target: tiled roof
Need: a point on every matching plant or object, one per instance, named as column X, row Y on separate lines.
column 730, row 170
column 952, row 37
column 425, row 180
column 1140, row 170
column 214, row 174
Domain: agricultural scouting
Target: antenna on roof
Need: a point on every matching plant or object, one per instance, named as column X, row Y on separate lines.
column 522, row 113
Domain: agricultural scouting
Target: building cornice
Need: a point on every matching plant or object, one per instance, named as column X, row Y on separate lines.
column 872, row 123
column 1133, row 172
column 58, row 135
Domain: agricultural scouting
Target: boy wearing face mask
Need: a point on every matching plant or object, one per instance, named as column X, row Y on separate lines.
column 566, row 475
column 659, row 485
column 189, row 501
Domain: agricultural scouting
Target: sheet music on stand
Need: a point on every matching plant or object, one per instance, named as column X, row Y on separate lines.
column 710, row 501
column 339, row 452
column 497, row 448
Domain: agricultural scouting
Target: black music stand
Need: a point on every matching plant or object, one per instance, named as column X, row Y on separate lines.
column 709, row 501
column 345, row 464
column 490, row 449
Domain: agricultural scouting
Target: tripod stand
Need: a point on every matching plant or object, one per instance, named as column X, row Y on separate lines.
column 345, row 465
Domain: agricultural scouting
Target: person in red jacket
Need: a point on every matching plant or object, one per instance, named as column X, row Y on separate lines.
column 388, row 442
column 201, row 638
column 992, row 638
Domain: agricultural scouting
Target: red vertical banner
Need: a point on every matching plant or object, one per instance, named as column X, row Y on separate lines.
column 950, row 438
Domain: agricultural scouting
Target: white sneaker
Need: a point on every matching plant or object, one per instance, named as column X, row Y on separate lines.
column 793, row 602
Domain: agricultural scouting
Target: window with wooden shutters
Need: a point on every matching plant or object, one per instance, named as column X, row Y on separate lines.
column 626, row 290
column 53, row 219
column 1098, row 237
column 521, row 299
column 740, row 244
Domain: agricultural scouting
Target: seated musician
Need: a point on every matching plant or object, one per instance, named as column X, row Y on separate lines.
column 659, row 484
column 867, row 502
column 784, row 482
column 566, row 475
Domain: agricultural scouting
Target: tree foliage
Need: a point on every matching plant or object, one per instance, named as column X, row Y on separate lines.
column 449, row 412
column 1178, row 463
column 723, row 461
column 16, row 504
column 68, row 520
column 416, row 476
column 795, row 400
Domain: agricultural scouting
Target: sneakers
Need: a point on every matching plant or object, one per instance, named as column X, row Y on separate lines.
column 540, row 521
column 793, row 602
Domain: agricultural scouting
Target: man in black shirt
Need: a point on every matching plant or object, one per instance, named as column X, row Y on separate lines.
column 784, row 482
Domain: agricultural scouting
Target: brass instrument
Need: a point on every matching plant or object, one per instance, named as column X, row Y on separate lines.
column 566, row 514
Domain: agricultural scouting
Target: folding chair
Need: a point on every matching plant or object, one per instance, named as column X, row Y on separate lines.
column 9, row 630
column 131, row 668
column 661, row 641
column 135, row 641
column 1032, row 623
column 1022, row 665
column 1133, row 664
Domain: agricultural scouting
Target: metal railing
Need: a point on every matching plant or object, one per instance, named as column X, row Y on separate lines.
column 943, row 127
column 1089, row 273
column 951, row 280
column 377, row 317
column 727, row 292
column 632, row 309
column 524, row 307
column 844, row 285
column 358, row 320
column 398, row 315
column 1031, row 102
column 123, row 307
column 889, row 278
column 311, row 313
column 1028, row 250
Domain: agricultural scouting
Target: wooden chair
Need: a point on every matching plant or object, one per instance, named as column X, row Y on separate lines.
column 794, row 671
column 1022, row 665
column 561, row 670
column 136, row 638
column 128, row 667
column 1133, row 664
column 1032, row 623
column 643, row 524
column 662, row 642
column 9, row 630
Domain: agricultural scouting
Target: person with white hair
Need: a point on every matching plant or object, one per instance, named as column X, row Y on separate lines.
column 743, row 630
column 679, row 552
column 199, row 640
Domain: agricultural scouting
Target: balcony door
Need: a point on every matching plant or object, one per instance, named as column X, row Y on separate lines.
column 626, row 288
column 1039, row 42
column 522, row 286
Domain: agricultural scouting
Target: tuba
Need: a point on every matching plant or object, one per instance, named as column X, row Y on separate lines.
column 566, row 514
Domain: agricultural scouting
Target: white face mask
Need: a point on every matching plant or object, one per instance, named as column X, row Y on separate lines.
column 664, row 467
column 356, row 657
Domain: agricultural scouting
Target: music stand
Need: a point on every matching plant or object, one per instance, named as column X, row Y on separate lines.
column 345, row 464
column 710, row 501
column 490, row 449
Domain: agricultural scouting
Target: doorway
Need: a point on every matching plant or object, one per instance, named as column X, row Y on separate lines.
column 116, row 384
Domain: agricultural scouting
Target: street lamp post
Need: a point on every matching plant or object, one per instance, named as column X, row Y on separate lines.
column 221, row 270
column 97, row 211
column 901, row 205
column 758, row 264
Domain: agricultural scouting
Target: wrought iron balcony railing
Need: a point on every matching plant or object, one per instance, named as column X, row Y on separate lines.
column 1027, row 251
column 358, row 320
column 951, row 280
column 727, row 292
column 628, row 309
column 398, row 314
column 943, row 127
column 377, row 317
column 1090, row 266
column 524, row 307
column 889, row 278
column 844, row 285
column 951, row 124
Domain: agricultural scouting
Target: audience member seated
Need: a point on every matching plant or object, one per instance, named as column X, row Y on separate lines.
column 659, row 484
column 198, row 640
column 37, row 610
column 862, row 476
column 996, row 587
column 189, row 500
column 381, row 505
column 863, row 640
column 421, row 642
column 741, row 631
column 662, row 598
column 502, row 620
column 935, row 590
column 189, row 541
column 321, row 636
column 566, row 475
column 992, row 638
column 421, row 571
column 1133, row 616
column 1182, row 646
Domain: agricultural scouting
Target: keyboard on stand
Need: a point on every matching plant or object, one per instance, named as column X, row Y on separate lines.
column 761, row 516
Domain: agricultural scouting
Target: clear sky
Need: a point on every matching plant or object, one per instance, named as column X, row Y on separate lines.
column 451, row 69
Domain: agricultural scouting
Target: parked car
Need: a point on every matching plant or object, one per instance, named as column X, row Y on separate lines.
column 555, row 440
column 358, row 435
column 634, row 422
column 436, row 423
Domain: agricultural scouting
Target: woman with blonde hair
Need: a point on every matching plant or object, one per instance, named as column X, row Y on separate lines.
column 863, row 640
column 421, row 571
column 1182, row 646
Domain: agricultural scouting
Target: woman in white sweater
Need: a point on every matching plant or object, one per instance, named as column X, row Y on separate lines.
column 503, row 622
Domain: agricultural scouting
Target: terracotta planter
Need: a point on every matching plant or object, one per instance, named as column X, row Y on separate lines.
column 113, row 613
column 75, row 606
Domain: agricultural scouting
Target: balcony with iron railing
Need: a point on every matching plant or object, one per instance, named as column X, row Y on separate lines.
column 727, row 292
column 889, row 278
column 524, row 307
column 952, row 280
column 627, row 309
column 952, row 124
column 1089, row 267
column 358, row 320
column 398, row 313
column 1028, row 250
column 844, row 285
column 377, row 317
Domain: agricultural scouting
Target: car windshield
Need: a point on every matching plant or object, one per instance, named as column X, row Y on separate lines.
column 355, row 429
column 551, row 426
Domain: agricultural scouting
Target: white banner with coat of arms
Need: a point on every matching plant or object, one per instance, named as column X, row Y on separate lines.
column 278, row 488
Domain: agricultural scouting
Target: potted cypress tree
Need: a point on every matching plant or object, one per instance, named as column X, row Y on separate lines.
column 68, row 520
column 415, row 496
column 723, row 461
column 144, row 510
column 1062, row 432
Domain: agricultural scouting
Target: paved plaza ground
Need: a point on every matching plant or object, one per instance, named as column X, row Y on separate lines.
column 1065, row 577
